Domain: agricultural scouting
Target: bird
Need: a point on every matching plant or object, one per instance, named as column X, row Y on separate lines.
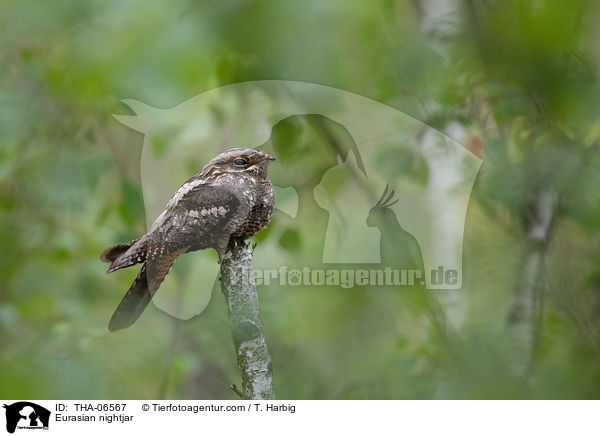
column 225, row 203
column 397, row 246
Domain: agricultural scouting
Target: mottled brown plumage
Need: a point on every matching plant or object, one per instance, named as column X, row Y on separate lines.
column 228, row 201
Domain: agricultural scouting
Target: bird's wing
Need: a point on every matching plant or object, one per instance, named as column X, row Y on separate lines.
column 198, row 216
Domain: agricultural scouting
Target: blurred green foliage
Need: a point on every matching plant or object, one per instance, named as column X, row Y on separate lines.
column 519, row 76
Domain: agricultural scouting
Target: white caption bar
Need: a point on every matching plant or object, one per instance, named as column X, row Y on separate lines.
column 298, row 417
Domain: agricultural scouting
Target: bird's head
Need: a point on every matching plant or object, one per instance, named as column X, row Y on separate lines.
column 239, row 160
column 381, row 212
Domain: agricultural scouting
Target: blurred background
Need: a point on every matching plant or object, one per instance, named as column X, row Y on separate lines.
column 515, row 81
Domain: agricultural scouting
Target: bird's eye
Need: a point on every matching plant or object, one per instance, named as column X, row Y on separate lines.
column 240, row 162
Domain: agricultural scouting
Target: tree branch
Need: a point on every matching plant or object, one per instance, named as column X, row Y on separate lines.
column 253, row 359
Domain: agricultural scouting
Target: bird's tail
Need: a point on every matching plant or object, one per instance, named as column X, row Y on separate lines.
column 124, row 255
column 133, row 303
column 142, row 290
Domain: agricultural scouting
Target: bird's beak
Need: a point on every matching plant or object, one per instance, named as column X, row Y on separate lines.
column 270, row 157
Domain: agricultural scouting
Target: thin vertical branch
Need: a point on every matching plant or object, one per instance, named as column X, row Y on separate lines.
column 253, row 359
column 527, row 301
